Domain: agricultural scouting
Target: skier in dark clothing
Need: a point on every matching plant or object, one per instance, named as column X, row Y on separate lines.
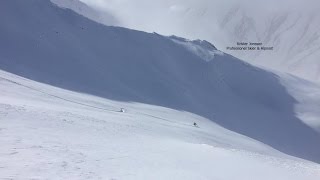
column 195, row 124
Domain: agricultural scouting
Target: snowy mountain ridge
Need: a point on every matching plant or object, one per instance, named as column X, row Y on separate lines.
column 291, row 27
column 201, row 48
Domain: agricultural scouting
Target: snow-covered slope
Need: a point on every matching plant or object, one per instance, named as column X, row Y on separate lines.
column 50, row 133
column 164, row 83
column 290, row 26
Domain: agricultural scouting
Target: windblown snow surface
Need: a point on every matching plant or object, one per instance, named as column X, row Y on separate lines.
column 291, row 27
column 64, row 80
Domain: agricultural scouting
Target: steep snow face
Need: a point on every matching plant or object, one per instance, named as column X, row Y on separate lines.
column 48, row 44
column 202, row 49
column 291, row 27
column 308, row 96
column 51, row 133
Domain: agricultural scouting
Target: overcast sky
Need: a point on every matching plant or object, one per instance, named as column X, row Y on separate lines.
column 262, row 4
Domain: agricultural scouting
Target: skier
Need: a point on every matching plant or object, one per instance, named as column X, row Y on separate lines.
column 122, row 110
column 195, row 124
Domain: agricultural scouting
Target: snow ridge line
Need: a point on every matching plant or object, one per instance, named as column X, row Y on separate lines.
column 164, row 119
column 58, row 97
column 95, row 107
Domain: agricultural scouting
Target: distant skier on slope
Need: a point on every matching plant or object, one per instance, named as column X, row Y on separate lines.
column 195, row 124
column 122, row 110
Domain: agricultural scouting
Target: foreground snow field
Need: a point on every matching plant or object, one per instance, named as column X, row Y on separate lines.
column 51, row 133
